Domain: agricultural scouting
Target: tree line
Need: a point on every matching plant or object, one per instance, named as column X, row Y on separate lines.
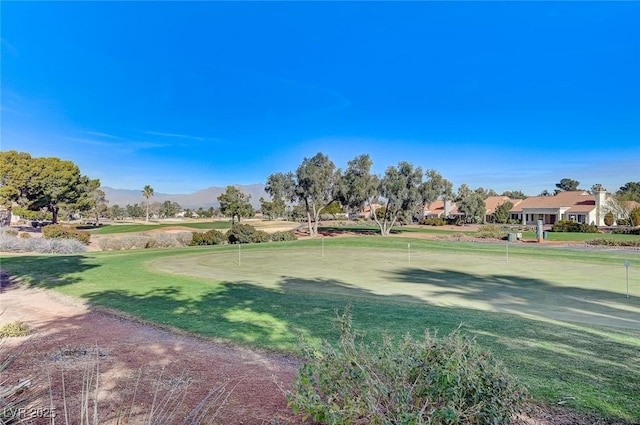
column 52, row 186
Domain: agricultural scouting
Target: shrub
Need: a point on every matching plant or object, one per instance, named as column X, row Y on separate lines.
column 613, row 242
column 241, row 233
column 13, row 329
column 433, row 221
column 609, row 219
column 184, row 238
column 110, row 244
column 25, row 235
column 58, row 231
column 432, row 380
column 10, row 243
column 10, row 232
column 281, row 236
column 573, row 226
column 626, row 230
column 47, row 246
column 135, row 242
column 491, row 231
column 210, row 237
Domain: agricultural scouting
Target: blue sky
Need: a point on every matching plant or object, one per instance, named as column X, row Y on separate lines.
column 183, row 96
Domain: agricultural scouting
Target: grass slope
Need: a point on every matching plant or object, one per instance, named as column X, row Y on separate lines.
column 556, row 317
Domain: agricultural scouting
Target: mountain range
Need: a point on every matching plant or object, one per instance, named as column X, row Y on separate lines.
column 204, row 198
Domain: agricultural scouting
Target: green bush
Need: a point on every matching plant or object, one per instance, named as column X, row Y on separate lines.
column 609, row 219
column 243, row 233
column 58, row 231
column 432, row 380
column 24, row 236
column 210, row 237
column 289, row 235
column 437, row 221
column 573, row 226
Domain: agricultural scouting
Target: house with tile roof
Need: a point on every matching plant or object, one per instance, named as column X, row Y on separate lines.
column 577, row 205
column 449, row 209
column 493, row 202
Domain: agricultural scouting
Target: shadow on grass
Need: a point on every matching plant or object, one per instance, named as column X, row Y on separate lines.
column 49, row 271
column 534, row 297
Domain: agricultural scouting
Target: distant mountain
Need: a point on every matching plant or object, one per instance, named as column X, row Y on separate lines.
column 204, row 198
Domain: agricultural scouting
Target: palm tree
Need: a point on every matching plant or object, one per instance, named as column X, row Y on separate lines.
column 147, row 192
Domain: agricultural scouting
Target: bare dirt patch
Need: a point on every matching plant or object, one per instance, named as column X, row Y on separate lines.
column 69, row 336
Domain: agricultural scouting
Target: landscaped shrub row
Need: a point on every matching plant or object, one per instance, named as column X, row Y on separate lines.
column 614, row 242
column 573, row 226
column 10, row 243
column 240, row 233
column 58, row 231
column 160, row 240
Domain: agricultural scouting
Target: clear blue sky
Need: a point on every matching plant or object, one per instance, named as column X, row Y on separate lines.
column 183, row 96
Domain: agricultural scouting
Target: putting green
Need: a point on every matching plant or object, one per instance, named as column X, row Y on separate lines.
column 530, row 287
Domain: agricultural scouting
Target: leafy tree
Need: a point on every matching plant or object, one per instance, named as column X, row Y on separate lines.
column 272, row 209
column 436, row 187
column 235, row 203
column 332, row 209
column 43, row 183
column 147, row 192
column 630, row 191
column 485, row 193
column 514, row 194
column 464, row 191
column 474, row 207
column 98, row 202
column 621, row 207
column 358, row 187
column 116, row 212
column 567, row 185
column 134, row 211
column 403, row 190
column 595, row 188
column 545, row 193
column 170, row 209
column 501, row 213
column 315, row 185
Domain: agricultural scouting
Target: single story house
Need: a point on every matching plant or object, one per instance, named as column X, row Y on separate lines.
column 577, row 205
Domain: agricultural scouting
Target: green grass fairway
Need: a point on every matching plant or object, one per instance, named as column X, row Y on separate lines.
column 129, row 228
column 558, row 318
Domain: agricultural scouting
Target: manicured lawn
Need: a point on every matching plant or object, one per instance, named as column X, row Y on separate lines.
column 558, row 318
column 129, row 228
